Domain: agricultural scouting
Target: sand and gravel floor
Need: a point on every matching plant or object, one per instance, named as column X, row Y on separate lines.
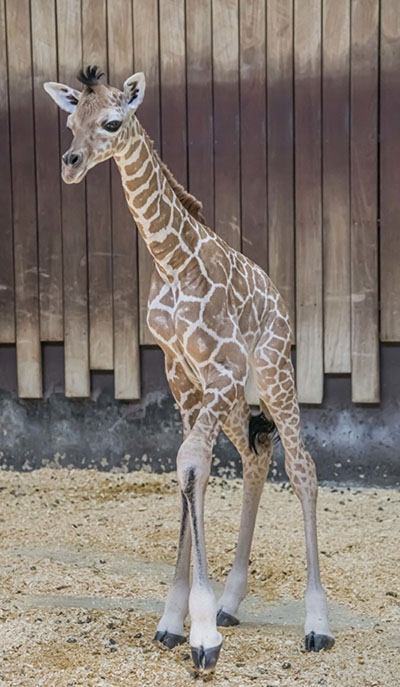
column 86, row 559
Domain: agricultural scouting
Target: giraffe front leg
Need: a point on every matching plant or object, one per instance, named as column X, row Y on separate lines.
column 255, row 470
column 170, row 630
column 194, row 462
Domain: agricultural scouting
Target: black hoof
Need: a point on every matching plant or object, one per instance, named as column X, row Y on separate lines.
column 316, row 642
column 225, row 619
column 168, row 639
column 205, row 659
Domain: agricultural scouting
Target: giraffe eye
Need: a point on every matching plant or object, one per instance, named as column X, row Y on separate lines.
column 113, row 125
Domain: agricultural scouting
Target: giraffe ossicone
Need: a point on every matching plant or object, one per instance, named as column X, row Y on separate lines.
column 226, row 336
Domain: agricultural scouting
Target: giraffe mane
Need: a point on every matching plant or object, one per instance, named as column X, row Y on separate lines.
column 190, row 202
column 90, row 76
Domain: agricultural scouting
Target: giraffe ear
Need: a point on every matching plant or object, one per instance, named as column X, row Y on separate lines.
column 67, row 98
column 134, row 88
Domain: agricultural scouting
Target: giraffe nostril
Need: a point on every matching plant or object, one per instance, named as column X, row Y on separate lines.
column 72, row 158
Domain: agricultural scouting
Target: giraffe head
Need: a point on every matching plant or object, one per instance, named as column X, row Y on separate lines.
column 100, row 118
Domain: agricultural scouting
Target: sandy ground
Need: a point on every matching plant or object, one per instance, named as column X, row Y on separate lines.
column 86, row 558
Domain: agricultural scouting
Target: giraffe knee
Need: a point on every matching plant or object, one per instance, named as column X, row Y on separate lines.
column 192, row 469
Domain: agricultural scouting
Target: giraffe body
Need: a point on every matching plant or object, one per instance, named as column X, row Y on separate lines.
column 225, row 333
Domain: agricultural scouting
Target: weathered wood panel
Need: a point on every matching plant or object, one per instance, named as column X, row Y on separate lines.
column 173, row 87
column 390, row 170
column 125, row 294
column 48, row 182
column 226, row 120
column 281, row 238
column 200, row 104
column 24, row 200
column 253, row 132
column 309, row 301
column 268, row 111
column 364, row 196
column 98, row 204
column 147, row 60
column 336, row 184
column 7, row 313
column 76, row 320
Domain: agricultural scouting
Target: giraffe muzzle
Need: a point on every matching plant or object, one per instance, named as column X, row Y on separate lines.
column 73, row 169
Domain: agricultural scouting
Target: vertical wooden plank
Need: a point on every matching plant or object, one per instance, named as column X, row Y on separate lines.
column 364, row 211
column 7, row 304
column 280, row 149
column 390, row 170
column 309, row 330
column 76, row 340
column 200, row 104
column 24, row 200
column 98, row 204
column 125, row 287
column 226, row 120
column 336, row 184
column 48, row 181
column 173, row 87
column 253, row 153
column 146, row 43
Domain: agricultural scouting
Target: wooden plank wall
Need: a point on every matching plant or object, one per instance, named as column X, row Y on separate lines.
column 280, row 115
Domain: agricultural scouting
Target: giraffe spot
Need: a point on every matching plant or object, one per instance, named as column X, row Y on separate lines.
column 132, row 168
column 138, row 181
column 230, row 354
column 215, row 312
column 216, row 262
column 163, row 248
column 189, row 236
column 239, row 281
column 160, row 321
column 135, row 145
column 200, row 345
column 193, row 282
column 190, row 401
column 177, row 258
column 186, row 313
column 159, row 222
column 143, row 196
column 155, row 207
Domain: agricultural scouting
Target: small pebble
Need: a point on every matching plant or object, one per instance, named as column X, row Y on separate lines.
column 286, row 665
column 86, row 619
column 71, row 640
column 113, row 649
column 112, row 641
column 138, row 635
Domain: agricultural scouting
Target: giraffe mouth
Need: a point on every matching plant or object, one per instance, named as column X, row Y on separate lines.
column 73, row 175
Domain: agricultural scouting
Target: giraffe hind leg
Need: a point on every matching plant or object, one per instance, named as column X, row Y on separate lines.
column 275, row 378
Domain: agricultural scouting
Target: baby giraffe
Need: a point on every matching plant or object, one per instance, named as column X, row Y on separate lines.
column 225, row 333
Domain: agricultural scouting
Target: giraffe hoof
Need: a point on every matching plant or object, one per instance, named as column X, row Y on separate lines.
column 315, row 642
column 205, row 660
column 168, row 640
column 226, row 620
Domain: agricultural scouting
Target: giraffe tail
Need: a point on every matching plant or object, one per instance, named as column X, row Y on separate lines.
column 259, row 425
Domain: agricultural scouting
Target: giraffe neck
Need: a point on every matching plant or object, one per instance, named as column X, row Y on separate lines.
column 170, row 232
